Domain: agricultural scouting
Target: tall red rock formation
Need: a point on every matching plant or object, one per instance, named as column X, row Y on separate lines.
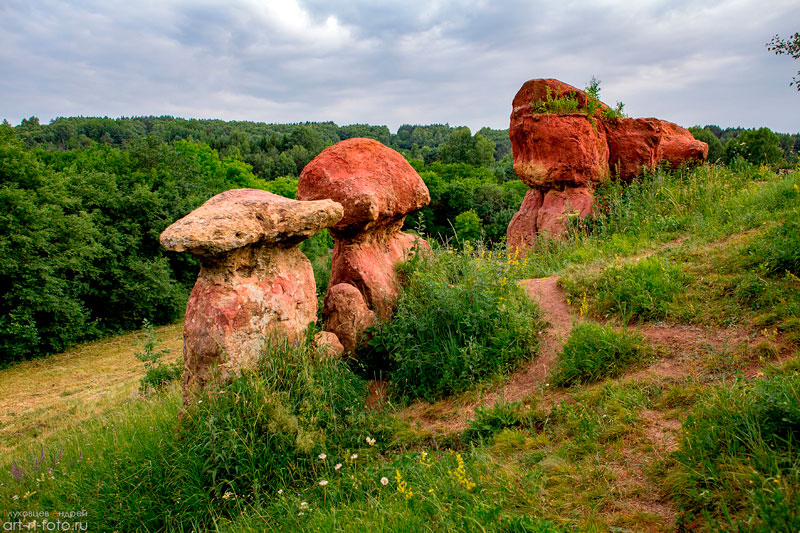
column 254, row 283
column 563, row 155
column 377, row 188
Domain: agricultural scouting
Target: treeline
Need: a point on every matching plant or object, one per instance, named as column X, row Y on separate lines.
column 756, row 146
column 272, row 150
column 84, row 200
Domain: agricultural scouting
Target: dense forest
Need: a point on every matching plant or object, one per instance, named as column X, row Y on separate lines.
column 83, row 201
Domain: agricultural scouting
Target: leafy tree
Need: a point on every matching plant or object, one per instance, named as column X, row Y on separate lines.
column 462, row 147
column 468, row 226
column 757, row 147
column 790, row 47
column 715, row 148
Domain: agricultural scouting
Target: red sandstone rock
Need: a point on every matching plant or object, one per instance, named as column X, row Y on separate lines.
column 254, row 286
column 546, row 213
column 346, row 314
column 678, row 146
column 636, row 143
column 374, row 183
column 377, row 188
column 557, row 150
column 557, row 206
column 524, row 227
column 561, row 156
column 328, row 344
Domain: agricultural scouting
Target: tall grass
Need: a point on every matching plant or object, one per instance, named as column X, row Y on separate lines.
column 739, row 457
column 460, row 319
column 142, row 469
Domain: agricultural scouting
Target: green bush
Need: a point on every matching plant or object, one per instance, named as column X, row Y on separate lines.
column 460, row 318
column 637, row 291
column 739, row 456
column 593, row 352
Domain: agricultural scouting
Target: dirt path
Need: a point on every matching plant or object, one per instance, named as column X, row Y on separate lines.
column 452, row 414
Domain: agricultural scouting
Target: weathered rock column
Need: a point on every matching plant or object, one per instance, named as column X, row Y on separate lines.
column 563, row 156
column 377, row 188
column 254, row 284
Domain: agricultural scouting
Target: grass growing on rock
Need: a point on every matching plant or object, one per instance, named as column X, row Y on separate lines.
column 460, row 319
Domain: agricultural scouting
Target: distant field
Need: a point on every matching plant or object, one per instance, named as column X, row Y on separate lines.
column 40, row 397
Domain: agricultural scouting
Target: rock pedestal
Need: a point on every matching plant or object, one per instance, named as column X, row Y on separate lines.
column 563, row 156
column 377, row 188
column 254, row 285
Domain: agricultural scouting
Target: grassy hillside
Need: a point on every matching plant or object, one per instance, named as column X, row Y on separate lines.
column 660, row 391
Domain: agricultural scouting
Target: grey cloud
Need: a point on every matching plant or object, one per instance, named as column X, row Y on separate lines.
column 409, row 62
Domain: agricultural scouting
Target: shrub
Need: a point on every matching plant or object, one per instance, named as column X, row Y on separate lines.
column 642, row 290
column 460, row 319
column 739, row 459
column 593, row 352
column 157, row 373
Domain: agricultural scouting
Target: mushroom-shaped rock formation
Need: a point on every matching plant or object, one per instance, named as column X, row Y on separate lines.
column 254, row 284
column 562, row 151
column 377, row 188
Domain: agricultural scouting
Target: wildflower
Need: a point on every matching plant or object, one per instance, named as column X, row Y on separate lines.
column 280, row 491
column 338, row 466
column 323, row 483
column 370, row 441
column 15, row 497
column 384, row 481
column 354, row 457
column 323, row 456
column 303, row 505
column 228, row 495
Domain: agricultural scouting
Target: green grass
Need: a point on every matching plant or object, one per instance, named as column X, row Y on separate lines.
column 559, row 459
column 739, row 458
column 594, row 352
column 461, row 319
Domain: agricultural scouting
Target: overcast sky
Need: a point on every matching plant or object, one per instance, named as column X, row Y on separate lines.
column 415, row 62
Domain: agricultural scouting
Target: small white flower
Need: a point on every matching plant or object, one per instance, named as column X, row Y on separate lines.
column 384, row 481
column 303, row 505
column 280, row 491
column 228, row 495
column 338, row 466
column 354, row 457
column 16, row 497
column 323, row 483
column 370, row 441
column 323, row 456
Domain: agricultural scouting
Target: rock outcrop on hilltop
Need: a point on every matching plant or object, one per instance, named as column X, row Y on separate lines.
column 563, row 155
column 377, row 188
column 254, row 283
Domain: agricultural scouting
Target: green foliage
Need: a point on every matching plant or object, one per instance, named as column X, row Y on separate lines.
column 146, row 470
column 757, row 147
column 460, row 319
column 468, row 226
column 157, row 373
column 594, row 352
column 789, row 46
column 739, row 459
column 557, row 103
column 502, row 415
column 462, row 147
column 715, row 148
column 642, row 290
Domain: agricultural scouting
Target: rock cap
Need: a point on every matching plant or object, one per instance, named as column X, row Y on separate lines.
column 239, row 217
column 373, row 182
